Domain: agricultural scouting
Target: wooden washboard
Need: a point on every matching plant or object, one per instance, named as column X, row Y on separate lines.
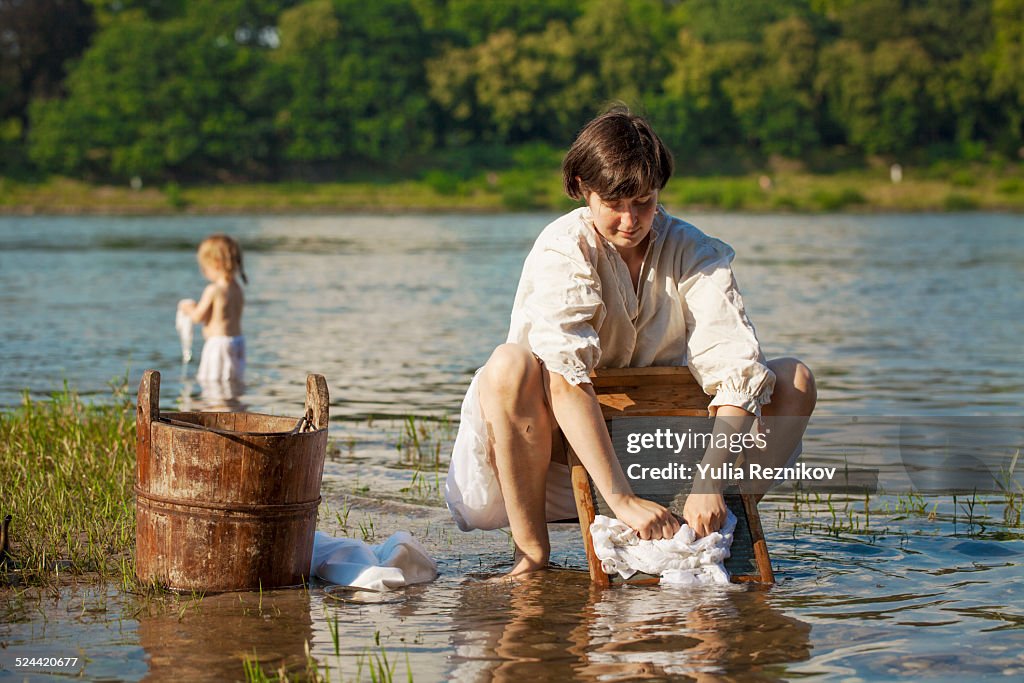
column 663, row 391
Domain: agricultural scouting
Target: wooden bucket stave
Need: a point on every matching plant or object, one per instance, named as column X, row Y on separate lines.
column 227, row 501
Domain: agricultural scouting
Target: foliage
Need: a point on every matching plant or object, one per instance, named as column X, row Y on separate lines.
column 141, row 104
column 355, row 81
column 37, row 39
column 222, row 89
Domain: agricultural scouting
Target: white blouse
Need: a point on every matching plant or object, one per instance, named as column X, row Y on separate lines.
column 576, row 309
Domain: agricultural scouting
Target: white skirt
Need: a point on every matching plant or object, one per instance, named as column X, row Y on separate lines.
column 471, row 489
column 223, row 360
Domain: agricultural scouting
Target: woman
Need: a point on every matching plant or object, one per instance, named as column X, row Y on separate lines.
column 615, row 283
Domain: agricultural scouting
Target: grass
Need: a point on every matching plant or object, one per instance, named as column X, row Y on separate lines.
column 66, row 475
column 421, row 440
column 535, row 184
column 373, row 664
column 871, row 515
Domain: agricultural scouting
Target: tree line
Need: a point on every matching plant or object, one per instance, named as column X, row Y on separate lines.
column 270, row 89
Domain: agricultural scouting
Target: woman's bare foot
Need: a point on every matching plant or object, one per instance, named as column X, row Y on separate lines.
column 525, row 565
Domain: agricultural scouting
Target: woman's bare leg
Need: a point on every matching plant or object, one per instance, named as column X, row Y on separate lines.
column 519, row 426
column 793, row 401
column 795, row 393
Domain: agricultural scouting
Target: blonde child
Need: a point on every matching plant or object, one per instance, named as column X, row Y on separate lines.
column 219, row 310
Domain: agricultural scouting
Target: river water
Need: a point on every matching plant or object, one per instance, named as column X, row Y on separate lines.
column 903, row 318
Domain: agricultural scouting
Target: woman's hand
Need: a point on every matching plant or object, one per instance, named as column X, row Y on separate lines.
column 704, row 512
column 650, row 520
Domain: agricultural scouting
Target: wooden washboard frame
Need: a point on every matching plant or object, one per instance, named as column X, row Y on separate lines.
column 664, row 391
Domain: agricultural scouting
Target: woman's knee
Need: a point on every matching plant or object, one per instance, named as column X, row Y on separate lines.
column 795, row 381
column 511, row 369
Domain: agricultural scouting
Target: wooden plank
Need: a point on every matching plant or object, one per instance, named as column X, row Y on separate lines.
column 318, row 402
column 761, row 557
column 147, row 411
column 649, row 391
column 674, row 374
column 581, row 487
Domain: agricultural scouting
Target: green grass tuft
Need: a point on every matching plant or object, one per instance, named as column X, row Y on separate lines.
column 66, row 475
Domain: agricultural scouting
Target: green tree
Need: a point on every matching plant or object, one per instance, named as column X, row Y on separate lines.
column 470, row 22
column 623, row 44
column 716, row 21
column 881, row 98
column 515, row 88
column 693, row 109
column 148, row 98
column 37, row 39
column 770, row 87
column 356, row 80
column 1006, row 57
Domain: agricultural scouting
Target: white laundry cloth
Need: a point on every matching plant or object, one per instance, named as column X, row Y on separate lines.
column 681, row 560
column 223, row 359
column 183, row 323
column 399, row 561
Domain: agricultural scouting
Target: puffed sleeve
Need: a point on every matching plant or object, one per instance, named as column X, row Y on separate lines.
column 722, row 348
column 564, row 308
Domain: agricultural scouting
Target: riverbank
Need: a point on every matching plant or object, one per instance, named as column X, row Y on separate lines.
column 935, row 189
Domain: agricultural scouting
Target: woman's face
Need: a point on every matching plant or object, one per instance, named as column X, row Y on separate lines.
column 624, row 222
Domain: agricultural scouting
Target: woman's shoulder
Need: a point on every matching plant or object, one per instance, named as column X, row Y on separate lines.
column 689, row 241
column 575, row 223
column 569, row 231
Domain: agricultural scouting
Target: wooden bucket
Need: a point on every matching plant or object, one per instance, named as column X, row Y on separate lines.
column 227, row 501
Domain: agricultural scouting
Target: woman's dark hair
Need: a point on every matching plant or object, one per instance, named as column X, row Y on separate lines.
column 617, row 155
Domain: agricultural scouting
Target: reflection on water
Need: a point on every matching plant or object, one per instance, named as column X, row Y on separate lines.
column 222, row 396
column 558, row 627
column 208, row 637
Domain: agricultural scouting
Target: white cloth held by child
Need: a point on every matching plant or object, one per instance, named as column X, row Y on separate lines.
column 399, row 561
column 681, row 560
column 183, row 323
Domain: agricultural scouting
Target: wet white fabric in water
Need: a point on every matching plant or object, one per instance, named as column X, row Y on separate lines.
column 681, row 560
column 183, row 324
column 399, row 561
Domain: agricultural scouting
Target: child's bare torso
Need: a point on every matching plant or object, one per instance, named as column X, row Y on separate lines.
column 226, row 310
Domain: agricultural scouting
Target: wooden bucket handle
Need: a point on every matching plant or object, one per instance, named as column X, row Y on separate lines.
column 318, row 402
column 147, row 411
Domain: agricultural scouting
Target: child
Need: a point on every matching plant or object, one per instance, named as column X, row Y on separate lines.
column 219, row 310
column 616, row 283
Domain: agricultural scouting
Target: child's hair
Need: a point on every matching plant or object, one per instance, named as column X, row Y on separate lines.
column 617, row 155
column 223, row 251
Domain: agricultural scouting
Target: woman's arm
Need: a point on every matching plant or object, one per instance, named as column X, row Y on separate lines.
column 578, row 413
column 725, row 357
column 705, row 509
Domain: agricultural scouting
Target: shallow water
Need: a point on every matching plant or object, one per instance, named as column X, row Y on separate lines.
column 913, row 601
column 913, row 316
